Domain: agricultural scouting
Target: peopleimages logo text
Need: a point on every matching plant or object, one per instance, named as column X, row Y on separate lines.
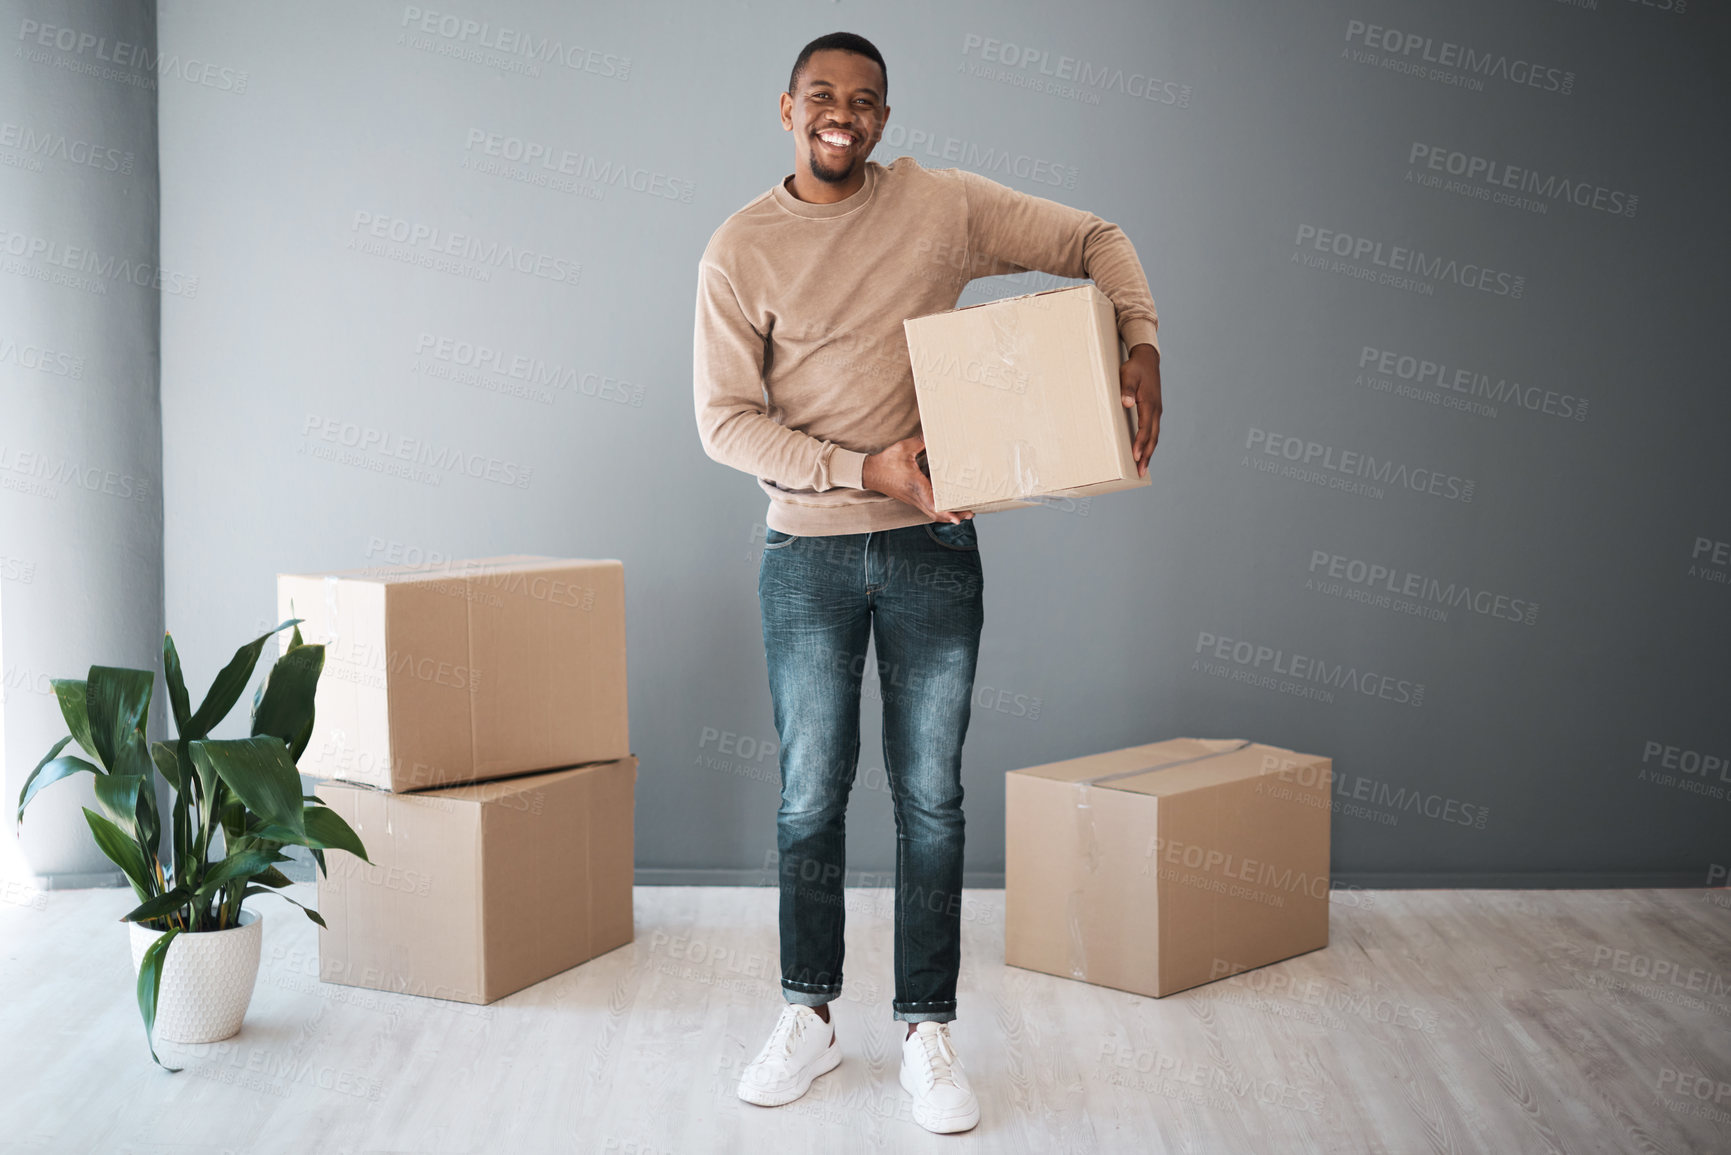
column 388, row 446
column 1415, row 263
column 1463, row 57
column 1451, row 379
column 1083, row 74
column 1504, row 176
column 581, row 166
column 516, row 42
column 1266, row 663
column 1315, row 461
column 433, row 240
column 58, row 146
column 79, row 259
column 1393, row 587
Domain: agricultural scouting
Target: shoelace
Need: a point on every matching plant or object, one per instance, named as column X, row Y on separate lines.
column 785, row 1038
column 940, row 1056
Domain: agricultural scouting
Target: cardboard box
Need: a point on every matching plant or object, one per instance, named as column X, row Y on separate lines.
column 1019, row 401
column 477, row 891
column 1160, row 867
column 463, row 671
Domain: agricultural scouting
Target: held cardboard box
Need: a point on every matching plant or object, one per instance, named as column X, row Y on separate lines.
column 476, row 891
column 1160, row 867
column 1019, row 400
column 463, row 671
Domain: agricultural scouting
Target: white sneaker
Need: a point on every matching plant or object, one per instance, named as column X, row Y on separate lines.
column 932, row 1073
column 801, row 1048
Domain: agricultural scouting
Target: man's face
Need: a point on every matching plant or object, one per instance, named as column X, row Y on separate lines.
column 836, row 114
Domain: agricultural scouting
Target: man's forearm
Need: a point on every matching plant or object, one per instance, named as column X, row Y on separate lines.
column 752, row 441
column 1038, row 233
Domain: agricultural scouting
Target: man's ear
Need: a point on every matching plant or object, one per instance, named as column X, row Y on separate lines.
column 786, row 111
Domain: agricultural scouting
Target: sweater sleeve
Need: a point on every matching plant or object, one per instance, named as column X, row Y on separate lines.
column 1011, row 231
column 733, row 421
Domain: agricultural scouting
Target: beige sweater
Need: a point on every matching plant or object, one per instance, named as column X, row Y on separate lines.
column 801, row 366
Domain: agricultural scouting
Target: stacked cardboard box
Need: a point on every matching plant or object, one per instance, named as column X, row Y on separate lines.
column 471, row 725
column 1160, row 867
column 1020, row 403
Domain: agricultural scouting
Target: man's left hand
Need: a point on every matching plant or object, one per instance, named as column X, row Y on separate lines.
column 1139, row 387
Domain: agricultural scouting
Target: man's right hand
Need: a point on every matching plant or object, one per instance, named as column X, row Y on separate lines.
column 896, row 473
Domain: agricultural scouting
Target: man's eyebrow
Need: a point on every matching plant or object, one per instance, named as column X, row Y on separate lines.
column 867, row 89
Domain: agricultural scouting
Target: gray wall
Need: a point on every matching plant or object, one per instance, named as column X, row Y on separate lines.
column 80, row 419
column 1544, row 732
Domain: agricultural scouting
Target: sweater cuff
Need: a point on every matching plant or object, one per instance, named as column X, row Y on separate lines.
column 846, row 468
column 1140, row 332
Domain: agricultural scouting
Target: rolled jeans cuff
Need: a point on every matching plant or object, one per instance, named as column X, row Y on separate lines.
column 925, row 1012
column 815, row 997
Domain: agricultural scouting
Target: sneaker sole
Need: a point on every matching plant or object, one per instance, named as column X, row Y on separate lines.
column 942, row 1125
column 822, row 1065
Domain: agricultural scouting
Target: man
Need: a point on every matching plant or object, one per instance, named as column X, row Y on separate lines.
column 802, row 379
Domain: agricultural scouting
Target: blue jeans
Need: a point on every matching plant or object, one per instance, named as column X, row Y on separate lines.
column 917, row 592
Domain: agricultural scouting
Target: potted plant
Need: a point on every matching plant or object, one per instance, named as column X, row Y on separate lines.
column 245, row 792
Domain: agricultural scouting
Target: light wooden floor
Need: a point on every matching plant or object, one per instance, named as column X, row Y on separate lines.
column 1436, row 1021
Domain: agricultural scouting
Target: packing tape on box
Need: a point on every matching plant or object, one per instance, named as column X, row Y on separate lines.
column 1088, row 839
column 1005, row 335
column 1011, row 343
column 1025, row 478
column 1163, row 765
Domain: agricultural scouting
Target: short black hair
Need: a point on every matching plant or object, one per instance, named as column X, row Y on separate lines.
column 846, row 42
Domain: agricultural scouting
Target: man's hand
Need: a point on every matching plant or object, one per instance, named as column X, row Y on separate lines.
column 896, row 473
column 1139, row 388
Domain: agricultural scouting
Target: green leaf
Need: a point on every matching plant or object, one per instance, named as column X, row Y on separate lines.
column 311, row 913
column 75, row 709
column 150, row 987
column 48, row 771
column 181, row 816
column 326, row 830
column 285, row 708
column 162, row 754
column 132, row 764
column 118, row 699
column 273, row 877
column 260, row 773
column 165, row 903
column 233, row 819
column 117, row 794
column 299, row 743
column 176, row 685
column 244, row 864
column 121, row 850
column 319, row 856
column 229, row 684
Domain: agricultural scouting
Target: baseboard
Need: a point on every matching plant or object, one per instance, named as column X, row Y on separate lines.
column 68, row 880
column 302, row 871
column 1521, row 880
column 721, row 876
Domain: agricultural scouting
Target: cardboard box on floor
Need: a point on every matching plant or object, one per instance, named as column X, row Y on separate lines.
column 475, row 891
column 1019, row 401
column 1160, row 867
column 463, row 671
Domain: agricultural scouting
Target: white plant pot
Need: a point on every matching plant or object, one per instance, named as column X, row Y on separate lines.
column 207, row 979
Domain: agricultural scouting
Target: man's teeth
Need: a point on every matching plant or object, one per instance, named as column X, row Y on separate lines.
column 835, row 139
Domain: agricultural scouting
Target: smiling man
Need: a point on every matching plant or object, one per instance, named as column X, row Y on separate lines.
column 802, row 379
